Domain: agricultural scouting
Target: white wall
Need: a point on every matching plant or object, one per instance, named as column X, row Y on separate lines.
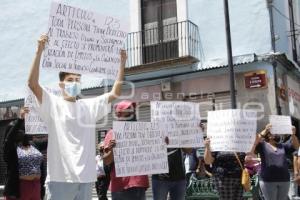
column 21, row 23
column 135, row 15
column 281, row 27
column 182, row 10
column 250, row 28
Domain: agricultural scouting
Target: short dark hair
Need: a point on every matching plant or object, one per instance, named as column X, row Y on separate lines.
column 62, row 75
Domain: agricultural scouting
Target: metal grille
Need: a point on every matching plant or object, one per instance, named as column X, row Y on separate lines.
column 180, row 39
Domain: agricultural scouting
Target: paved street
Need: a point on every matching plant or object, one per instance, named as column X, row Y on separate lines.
column 96, row 198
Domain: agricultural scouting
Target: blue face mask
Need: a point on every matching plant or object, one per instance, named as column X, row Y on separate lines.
column 72, row 89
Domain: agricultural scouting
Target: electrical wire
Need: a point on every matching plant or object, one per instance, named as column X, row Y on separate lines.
column 283, row 15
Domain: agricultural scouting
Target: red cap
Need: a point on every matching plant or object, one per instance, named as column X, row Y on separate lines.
column 124, row 105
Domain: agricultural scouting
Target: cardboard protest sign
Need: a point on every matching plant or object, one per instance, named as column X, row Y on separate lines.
column 280, row 124
column 181, row 122
column 166, row 111
column 81, row 41
column 184, row 134
column 33, row 122
column 232, row 130
column 140, row 149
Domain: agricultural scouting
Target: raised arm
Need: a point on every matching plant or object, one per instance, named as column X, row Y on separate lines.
column 259, row 137
column 108, row 156
column 116, row 90
column 208, row 158
column 33, row 80
column 10, row 137
column 295, row 141
column 11, row 132
column 295, row 165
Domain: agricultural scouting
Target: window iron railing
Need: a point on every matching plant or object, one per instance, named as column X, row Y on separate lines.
column 167, row 42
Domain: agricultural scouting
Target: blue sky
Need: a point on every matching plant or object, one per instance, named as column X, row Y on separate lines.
column 21, row 23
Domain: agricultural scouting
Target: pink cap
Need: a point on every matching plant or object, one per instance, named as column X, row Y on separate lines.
column 124, row 105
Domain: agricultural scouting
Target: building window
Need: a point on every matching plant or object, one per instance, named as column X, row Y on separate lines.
column 160, row 30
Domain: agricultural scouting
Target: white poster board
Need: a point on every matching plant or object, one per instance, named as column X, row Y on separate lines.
column 33, row 122
column 140, row 149
column 181, row 122
column 83, row 42
column 281, row 125
column 232, row 130
column 184, row 134
column 166, row 111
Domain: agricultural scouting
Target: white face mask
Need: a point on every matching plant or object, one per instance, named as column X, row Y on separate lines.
column 73, row 89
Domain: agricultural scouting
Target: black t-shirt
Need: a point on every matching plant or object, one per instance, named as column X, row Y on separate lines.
column 176, row 167
column 226, row 164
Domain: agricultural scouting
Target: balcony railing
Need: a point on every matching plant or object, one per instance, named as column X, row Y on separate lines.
column 164, row 43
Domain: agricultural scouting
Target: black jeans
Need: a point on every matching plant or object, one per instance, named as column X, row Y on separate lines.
column 102, row 184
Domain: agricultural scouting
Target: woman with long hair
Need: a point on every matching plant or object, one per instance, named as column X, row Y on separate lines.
column 226, row 172
column 274, row 175
column 24, row 163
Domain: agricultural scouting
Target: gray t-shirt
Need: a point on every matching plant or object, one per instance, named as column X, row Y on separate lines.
column 274, row 166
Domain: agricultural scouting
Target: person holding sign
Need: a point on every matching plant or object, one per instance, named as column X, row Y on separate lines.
column 226, row 171
column 103, row 171
column 274, row 174
column 194, row 163
column 124, row 188
column 24, row 163
column 174, row 182
column 71, row 124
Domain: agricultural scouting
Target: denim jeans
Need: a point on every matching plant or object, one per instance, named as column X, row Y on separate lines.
column 275, row 190
column 101, row 186
column 176, row 189
column 293, row 191
column 69, row 191
column 135, row 193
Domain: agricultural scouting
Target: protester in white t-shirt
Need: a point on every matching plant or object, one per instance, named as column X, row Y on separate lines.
column 71, row 125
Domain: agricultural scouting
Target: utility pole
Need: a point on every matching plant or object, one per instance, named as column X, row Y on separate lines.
column 293, row 31
column 229, row 55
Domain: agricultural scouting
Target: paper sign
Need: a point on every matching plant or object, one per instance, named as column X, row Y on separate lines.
column 140, row 149
column 33, row 122
column 166, row 111
column 184, row 134
column 181, row 122
column 280, row 124
column 232, row 130
column 83, row 42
